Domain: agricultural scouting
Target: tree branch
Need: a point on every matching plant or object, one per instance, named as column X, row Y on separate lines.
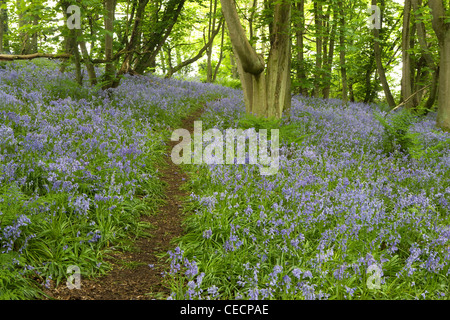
column 251, row 62
column 198, row 55
column 12, row 57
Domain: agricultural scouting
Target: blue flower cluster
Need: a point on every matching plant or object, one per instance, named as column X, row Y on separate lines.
column 74, row 160
column 338, row 205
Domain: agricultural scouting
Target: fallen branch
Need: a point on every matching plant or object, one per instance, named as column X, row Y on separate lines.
column 409, row 98
column 12, row 57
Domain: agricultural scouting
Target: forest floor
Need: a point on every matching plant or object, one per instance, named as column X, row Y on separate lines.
column 137, row 274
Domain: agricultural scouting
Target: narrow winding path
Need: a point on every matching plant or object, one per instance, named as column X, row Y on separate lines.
column 136, row 274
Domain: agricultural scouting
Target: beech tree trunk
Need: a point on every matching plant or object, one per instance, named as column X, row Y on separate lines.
column 209, row 49
column 234, row 68
column 267, row 90
column 421, row 34
column 134, row 39
column 380, row 68
column 342, row 54
column 162, row 27
column 25, row 38
column 76, row 56
column 319, row 39
column 300, row 30
column 216, row 69
column 442, row 30
column 34, row 36
column 110, row 6
column 406, row 84
column 4, row 27
column 328, row 60
column 87, row 61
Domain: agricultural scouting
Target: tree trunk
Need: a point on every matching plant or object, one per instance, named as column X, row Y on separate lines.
column 216, row 69
column 406, row 84
column 34, row 36
column 211, row 27
column 279, row 62
column 351, row 92
column 380, row 68
column 182, row 64
column 442, row 30
column 87, row 61
column 433, row 92
column 266, row 94
column 2, row 24
column 76, row 56
column 25, row 38
column 342, row 54
column 163, row 62
column 421, row 35
column 169, row 58
column 300, row 29
column 162, row 29
column 369, row 90
column 234, row 68
column 318, row 25
column 4, row 13
column 109, row 6
column 329, row 64
column 134, row 39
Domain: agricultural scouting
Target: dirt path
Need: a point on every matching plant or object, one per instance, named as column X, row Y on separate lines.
column 131, row 276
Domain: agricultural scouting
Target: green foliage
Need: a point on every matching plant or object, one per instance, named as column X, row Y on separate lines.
column 13, row 285
column 289, row 133
column 66, row 88
column 258, row 123
column 397, row 135
column 229, row 82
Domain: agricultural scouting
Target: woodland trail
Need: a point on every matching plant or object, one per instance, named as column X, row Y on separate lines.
column 137, row 274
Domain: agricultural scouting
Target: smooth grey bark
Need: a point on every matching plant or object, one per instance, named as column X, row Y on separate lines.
column 209, row 49
column 267, row 90
column 442, row 30
column 76, row 56
column 216, row 69
column 24, row 50
column 299, row 34
column 161, row 26
column 328, row 60
column 162, row 61
column 319, row 42
column 426, row 54
column 134, row 38
column 406, row 86
column 109, row 6
column 342, row 54
column 380, row 68
column 2, row 24
column 87, row 61
column 5, row 29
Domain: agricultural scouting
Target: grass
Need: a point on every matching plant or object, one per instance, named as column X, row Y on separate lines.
column 341, row 203
column 78, row 167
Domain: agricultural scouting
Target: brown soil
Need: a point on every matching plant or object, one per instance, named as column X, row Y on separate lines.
column 131, row 277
